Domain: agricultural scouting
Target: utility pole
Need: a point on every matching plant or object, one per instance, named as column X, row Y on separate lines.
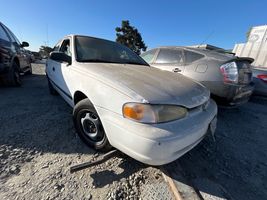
column 47, row 41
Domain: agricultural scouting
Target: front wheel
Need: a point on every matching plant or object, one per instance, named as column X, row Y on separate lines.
column 89, row 127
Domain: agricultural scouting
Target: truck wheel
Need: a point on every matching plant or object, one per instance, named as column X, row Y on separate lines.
column 89, row 127
column 51, row 88
column 13, row 76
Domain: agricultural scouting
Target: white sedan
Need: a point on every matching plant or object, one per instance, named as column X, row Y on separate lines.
column 118, row 100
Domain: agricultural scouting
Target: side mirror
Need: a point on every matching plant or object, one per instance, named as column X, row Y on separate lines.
column 24, row 44
column 60, row 56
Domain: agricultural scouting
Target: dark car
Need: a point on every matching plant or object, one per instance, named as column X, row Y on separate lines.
column 228, row 77
column 37, row 55
column 260, row 80
column 13, row 58
column 30, row 56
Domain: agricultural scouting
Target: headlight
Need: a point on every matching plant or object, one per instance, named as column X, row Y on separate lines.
column 147, row 113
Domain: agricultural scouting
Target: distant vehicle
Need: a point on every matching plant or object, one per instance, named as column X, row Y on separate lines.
column 37, row 55
column 13, row 59
column 119, row 100
column 260, row 80
column 30, row 56
column 228, row 77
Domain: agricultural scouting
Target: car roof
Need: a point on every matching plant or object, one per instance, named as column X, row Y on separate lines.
column 206, row 52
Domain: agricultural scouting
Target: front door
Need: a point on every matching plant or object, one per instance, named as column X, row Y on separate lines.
column 60, row 72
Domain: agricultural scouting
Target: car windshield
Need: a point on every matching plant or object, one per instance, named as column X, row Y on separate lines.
column 98, row 50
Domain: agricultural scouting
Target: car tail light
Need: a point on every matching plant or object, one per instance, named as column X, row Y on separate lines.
column 262, row 77
column 229, row 72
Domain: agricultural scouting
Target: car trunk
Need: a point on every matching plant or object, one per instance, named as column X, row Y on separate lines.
column 244, row 70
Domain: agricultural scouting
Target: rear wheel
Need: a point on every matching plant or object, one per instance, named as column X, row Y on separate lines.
column 13, row 76
column 89, row 127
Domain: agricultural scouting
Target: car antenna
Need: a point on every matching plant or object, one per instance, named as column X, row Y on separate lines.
column 208, row 37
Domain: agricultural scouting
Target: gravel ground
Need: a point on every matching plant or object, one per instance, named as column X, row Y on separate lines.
column 38, row 144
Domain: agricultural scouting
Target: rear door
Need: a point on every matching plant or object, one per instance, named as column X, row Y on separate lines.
column 195, row 66
column 170, row 60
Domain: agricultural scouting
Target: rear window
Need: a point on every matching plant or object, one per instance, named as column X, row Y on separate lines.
column 192, row 56
column 170, row 56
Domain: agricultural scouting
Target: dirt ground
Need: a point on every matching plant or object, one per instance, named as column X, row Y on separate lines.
column 38, row 144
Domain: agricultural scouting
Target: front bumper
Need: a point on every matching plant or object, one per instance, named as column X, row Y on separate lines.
column 157, row 144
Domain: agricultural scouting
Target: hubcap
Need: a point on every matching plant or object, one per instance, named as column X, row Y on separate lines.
column 91, row 124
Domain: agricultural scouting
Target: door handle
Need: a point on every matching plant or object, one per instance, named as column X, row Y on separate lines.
column 53, row 69
column 176, row 70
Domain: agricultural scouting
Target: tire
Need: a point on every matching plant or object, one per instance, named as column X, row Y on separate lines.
column 13, row 76
column 52, row 90
column 89, row 127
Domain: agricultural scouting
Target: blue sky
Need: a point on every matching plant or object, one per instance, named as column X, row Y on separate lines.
column 221, row 23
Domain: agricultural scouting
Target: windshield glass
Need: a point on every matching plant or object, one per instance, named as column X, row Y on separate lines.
column 98, row 50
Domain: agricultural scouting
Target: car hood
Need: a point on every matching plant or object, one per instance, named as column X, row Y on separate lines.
column 153, row 85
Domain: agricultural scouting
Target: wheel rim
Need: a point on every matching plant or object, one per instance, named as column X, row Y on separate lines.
column 91, row 126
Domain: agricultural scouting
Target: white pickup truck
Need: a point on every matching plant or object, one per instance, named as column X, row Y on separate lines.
column 118, row 100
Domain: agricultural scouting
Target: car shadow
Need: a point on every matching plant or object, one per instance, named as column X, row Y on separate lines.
column 259, row 99
column 128, row 166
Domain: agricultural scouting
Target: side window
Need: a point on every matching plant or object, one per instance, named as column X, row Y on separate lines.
column 65, row 47
column 192, row 56
column 3, row 35
column 14, row 39
column 149, row 55
column 170, row 56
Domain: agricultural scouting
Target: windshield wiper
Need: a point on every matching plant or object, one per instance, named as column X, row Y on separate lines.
column 110, row 61
column 97, row 60
column 134, row 63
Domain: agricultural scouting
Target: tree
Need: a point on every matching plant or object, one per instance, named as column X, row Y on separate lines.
column 129, row 36
column 45, row 51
